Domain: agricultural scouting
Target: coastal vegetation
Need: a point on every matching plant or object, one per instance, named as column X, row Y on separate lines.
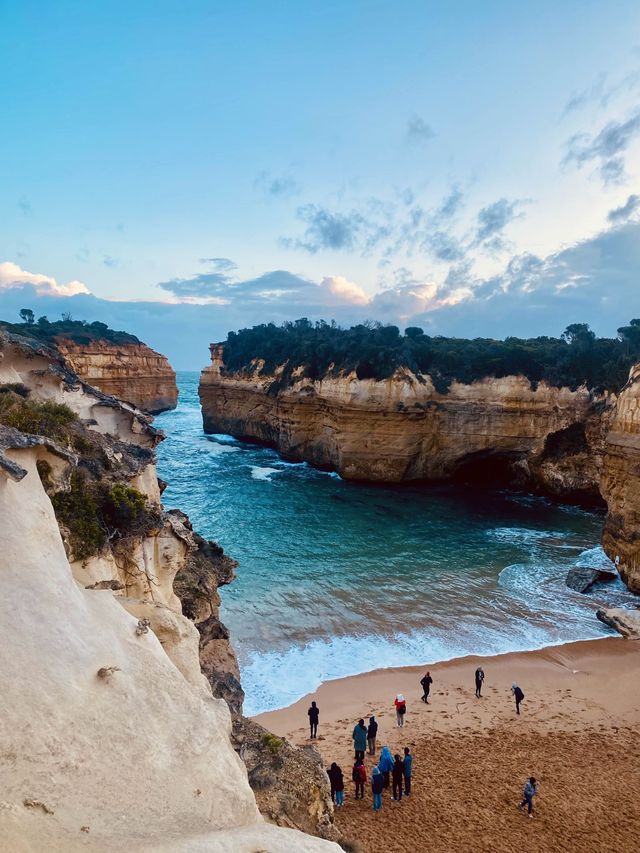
column 78, row 331
column 374, row 351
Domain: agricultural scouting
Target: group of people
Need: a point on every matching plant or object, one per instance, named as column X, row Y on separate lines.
column 395, row 770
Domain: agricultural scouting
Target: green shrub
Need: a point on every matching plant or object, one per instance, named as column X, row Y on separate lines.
column 52, row 420
column 273, row 743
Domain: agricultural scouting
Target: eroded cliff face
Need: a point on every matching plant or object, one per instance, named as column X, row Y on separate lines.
column 402, row 429
column 123, row 745
column 132, row 372
column 621, row 483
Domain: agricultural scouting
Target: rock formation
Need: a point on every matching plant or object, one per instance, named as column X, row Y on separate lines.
column 129, row 371
column 401, row 428
column 621, row 619
column 112, row 739
column 621, row 483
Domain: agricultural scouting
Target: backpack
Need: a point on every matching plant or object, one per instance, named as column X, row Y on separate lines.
column 519, row 694
column 362, row 773
column 402, row 709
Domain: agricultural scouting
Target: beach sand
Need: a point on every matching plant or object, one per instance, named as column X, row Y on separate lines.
column 578, row 734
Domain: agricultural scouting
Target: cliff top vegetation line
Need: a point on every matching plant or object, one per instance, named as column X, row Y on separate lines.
column 78, row 331
column 376, row 351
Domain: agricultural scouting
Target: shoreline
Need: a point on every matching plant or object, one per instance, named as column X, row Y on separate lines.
column 549, row 664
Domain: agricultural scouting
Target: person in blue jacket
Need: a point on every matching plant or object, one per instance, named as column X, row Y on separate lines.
column 377, row 784
column 407, row 765
column 530, row 790
column 385, row 765
column 360, row 739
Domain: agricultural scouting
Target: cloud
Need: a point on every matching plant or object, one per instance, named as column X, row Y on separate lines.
column 328, row 230
column 12, row 276
column 606, row 148
column 24, row 205
column 203, row 287
column 451, row 204
column 418, row 131
column 110, row 262
column 276, row 186
column 219, row 264
column 619, row 214
column 346, row 291
column 493, row 219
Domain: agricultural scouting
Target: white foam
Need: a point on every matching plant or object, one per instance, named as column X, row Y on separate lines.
column 259, row 473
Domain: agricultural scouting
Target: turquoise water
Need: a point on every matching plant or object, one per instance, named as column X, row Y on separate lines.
column 337, row 578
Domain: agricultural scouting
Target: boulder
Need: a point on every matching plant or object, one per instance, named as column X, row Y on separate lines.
column 626, row 622
column 582, row 578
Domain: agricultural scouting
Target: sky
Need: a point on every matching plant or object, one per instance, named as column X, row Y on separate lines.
column 183, row 169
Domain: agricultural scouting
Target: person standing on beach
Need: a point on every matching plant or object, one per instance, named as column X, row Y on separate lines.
column 377, row 784
column 401, row 709
column 337, row 784
column 359, row 776
column 397, row 774
column 314, row 716
column 407, row 764
column 530, row 790
column 518, row 695
column 372, row 733
column 386, row 765
column 479, row 680
column 426, row 683
column 360, row 739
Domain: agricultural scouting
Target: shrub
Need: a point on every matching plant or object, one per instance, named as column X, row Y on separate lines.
column 273, row 743
column 52, row 420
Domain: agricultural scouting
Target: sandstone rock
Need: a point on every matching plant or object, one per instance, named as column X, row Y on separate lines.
column 626, row 622
column 132, row 372
column 582, row 579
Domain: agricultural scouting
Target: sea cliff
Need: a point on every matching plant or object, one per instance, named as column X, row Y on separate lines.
column 110, row 637
column 129, row 371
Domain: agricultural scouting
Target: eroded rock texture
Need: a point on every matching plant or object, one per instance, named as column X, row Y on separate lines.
column 132, row 372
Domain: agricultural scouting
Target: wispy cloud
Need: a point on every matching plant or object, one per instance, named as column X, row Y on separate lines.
column 492, row 221
column 276, row 186
column 606, row 148
column 418, row 131
column 620, row 214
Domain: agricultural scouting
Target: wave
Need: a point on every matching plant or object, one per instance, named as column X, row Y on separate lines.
column 263, row 473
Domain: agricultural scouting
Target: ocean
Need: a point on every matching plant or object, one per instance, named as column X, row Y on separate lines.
column 338, row 578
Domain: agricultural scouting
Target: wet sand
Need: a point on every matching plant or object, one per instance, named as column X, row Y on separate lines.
column 578, row 734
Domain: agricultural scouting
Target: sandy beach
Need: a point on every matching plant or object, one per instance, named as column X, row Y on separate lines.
column 578, row 734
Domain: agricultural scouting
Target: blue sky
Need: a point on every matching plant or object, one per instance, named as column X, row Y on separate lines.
column 195, row 167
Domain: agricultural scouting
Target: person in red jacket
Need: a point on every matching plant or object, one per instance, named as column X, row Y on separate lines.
column 359, row 776
column 401, row 709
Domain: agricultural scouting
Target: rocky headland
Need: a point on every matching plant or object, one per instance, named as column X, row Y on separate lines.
column 574, row 443
column 120, row 685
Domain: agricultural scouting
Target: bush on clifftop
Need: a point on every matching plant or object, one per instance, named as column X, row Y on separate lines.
column 375, row 351
column 78, row 331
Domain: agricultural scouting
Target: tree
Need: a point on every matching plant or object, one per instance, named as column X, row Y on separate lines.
column 27, row 316
column 578, row 333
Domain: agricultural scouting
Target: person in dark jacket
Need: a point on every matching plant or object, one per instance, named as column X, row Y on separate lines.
column 360, row 739
column 407, row 765
column 530, row 790
column 397, row 775
column 426, row 683
column 386, row 765
column 359, row 776
column 518, row 696
column 372, row 733
column 377, row 784
column 479, row 680
column 337, row 784
column 314, row 716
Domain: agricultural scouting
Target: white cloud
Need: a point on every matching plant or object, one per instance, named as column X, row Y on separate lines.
column 11, row 276
column 344, row 290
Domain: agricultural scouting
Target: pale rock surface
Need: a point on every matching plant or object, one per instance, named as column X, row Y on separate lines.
column 626, row 622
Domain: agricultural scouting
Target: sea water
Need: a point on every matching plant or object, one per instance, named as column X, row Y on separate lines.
column 337, row 578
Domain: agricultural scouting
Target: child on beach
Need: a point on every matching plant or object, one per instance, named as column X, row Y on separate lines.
column 372, row 733
column 401, row 709
column 518, row 695
column 397, row 775
column 377, row 784
column 407, row 764
column 359, row 776
column 479, row 680
column 386, row 765
column 530, row 790
column 337, row 784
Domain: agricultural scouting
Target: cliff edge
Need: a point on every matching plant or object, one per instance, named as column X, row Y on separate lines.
column 112, row 739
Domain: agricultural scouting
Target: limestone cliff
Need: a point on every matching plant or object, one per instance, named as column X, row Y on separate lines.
column 401, row 428
column 110, row 736
column 129, row 371
column 621, row 483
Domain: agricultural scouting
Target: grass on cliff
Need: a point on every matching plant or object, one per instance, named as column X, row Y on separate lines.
column 375, row 351
column 96, row 512
column 52, row 420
